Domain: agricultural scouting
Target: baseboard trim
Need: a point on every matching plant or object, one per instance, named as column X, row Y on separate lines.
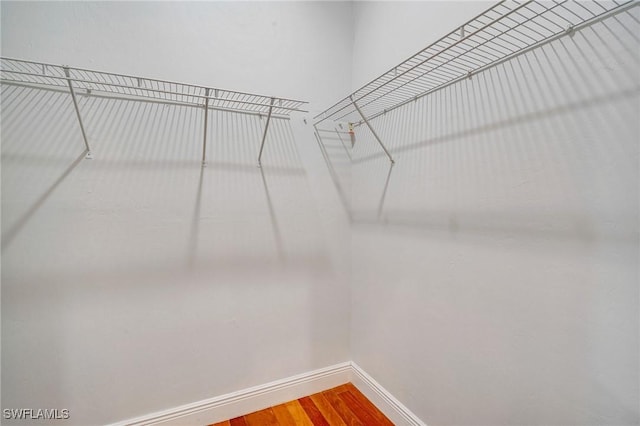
column 245, row 401
column 235, row 404
column 381, row 398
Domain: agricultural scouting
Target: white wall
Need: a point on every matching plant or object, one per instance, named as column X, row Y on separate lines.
column 386, row 33
column 498, row 284
column 137, row 281
column 272, row 48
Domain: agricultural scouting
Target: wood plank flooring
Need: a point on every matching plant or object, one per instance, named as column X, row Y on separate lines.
column 341, row 406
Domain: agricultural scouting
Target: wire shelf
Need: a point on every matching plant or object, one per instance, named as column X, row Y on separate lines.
column 502, row 31
column 122, row 86
column 85, row 81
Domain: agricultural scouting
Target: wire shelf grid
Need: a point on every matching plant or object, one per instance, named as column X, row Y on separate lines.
column 87, row 81
column 502, row 31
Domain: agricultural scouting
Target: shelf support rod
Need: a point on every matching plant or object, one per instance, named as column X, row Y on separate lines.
column 206, row 120
column 264, row 135
column 75, row 104
column 375, row 135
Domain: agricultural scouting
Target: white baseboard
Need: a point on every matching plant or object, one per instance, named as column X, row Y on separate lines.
column 381, row 398
column 245, row 401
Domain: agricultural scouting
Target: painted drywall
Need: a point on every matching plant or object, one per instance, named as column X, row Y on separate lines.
column 138, row 281
column 495, row 278
column 299, row 50
column 495, row 266
column 386, row 33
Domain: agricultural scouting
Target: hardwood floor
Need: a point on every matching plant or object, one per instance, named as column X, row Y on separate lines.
column 341, row 406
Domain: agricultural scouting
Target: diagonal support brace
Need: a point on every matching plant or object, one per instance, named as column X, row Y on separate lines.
column 264, row 135
column 375, row 135
column 206, row 120
column 75, row 104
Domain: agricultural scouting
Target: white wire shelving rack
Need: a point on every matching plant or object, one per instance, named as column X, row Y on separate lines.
column 503, row 31
column 121, row 86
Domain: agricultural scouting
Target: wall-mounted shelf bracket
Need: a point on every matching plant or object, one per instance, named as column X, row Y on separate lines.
column 375, row 135
column 264, row 135
column 206, row 120
column 75, row 104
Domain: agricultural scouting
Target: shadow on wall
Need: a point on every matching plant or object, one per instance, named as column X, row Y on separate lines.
column 504, row 255
column 146, row 180
column 338, row 160
column 42, row 166
column 41, row 143
column 207, row 280
column 509, row 151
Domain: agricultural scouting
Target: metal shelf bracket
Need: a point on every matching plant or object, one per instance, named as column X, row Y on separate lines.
column 375, row 135
column 75, row 104
column 206, row 120
column 264, row 135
